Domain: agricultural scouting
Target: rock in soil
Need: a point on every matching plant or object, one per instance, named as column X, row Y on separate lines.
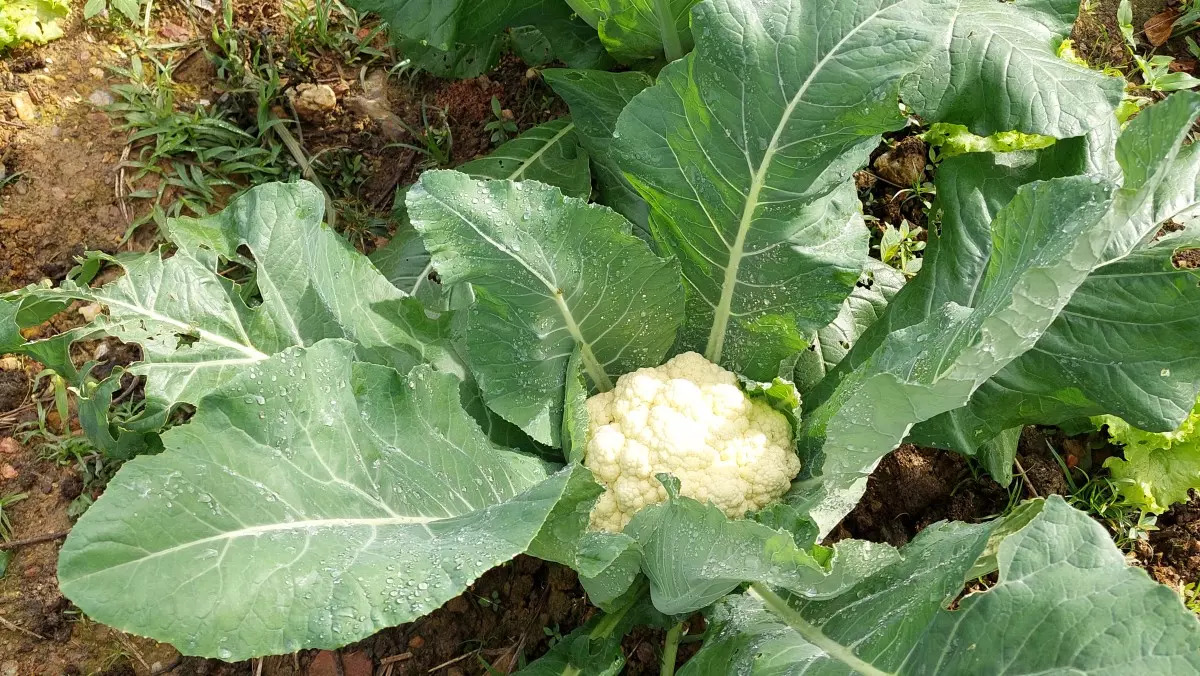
column 314, row 102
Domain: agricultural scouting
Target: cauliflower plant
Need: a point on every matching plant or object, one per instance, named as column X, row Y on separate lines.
column 688, row 418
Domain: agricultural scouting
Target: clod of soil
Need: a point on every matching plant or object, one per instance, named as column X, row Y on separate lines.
column 314, row 102
column 903, row 164
column 1172, row 555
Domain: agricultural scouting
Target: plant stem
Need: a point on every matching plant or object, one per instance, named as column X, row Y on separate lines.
column 812, row 634
column 671, row 650
column 672, row 48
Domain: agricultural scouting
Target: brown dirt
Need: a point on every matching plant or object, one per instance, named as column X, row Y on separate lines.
column 1172, row 555
column 915, row 487
column 1187, row 259
column 65, row 202
column 885, row 188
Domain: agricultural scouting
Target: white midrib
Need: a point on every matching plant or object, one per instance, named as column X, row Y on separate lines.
column 716, row 335
column 255, row 531
column 516, row 173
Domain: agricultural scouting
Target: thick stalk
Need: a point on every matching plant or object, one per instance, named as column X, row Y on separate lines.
column 672, row 47
column 812, row 634
column 671, row 650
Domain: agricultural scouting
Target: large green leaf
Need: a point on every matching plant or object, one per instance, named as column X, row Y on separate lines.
column 195, row 327
column 1115, row 349
column 596, row 99
column 999, row 71
column 312, row 501
column 693, row 555
column 550, row 273
column 1065, row 602
column 1044, row 244
column 743, row 148
column 444, row 24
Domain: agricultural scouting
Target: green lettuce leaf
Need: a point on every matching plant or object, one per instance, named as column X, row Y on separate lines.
column 35, row 21
column 1159, row 468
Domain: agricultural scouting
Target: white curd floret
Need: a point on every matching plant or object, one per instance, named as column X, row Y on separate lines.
column 690, row 419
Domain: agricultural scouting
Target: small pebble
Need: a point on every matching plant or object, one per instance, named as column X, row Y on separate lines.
column 24, row 106
column 101, row 98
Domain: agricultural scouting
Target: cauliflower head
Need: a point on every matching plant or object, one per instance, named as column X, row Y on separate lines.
column 688, row 418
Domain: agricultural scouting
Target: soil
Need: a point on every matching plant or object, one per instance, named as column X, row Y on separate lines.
column 65, row 200
column 68, row 201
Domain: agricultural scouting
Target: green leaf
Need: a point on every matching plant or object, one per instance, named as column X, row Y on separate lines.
column 310, row 502
column 458, row 62
column 876, row 287
column 530, row 45
column 550, row 273
column 1065, row 602
column 1044, row 244
column 1115, row 347
column 633, row 30
column 465, row 39
column 999, row 71
column 549, row 153
column 743, row 150
column 955, row 139
column 596, row 99
column 443, row 25
column 594, row 649
column 93, row 7
column 693, row 555
column 130, row 8
column 405, row 263
column 194, row 326
column 1158, row 469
